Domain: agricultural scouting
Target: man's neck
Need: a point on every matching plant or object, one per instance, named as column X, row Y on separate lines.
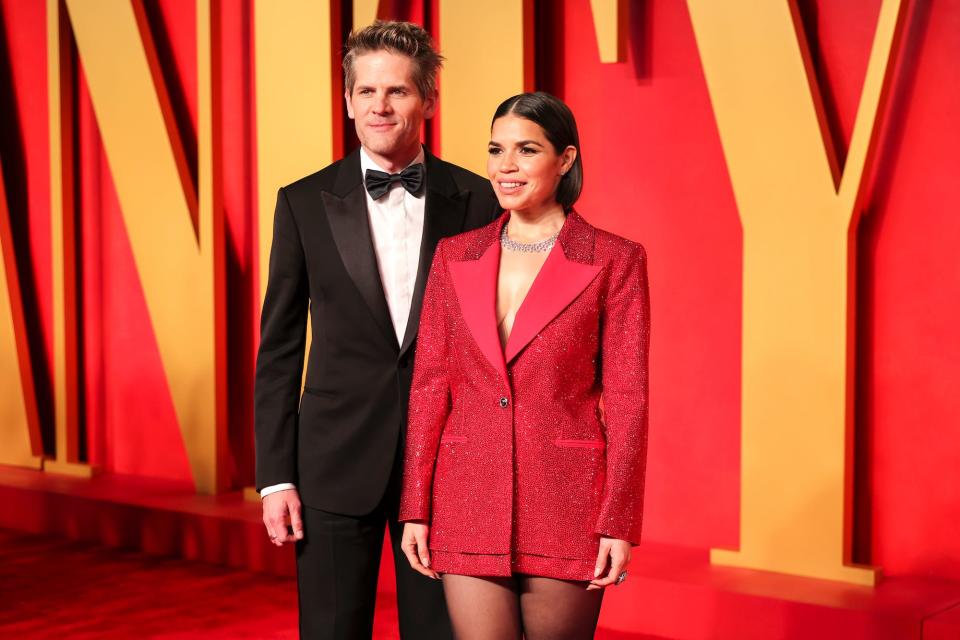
column 395, row 162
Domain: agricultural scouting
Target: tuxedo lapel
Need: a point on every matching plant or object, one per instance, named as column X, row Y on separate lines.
column 346, row 209
column 444, row 212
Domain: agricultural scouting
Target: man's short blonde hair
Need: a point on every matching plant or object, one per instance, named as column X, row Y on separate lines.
column 404, row 38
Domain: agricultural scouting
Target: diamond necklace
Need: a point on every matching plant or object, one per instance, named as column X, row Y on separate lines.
column 526, row 247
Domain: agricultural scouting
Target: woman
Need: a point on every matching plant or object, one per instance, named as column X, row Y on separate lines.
column 517, row 488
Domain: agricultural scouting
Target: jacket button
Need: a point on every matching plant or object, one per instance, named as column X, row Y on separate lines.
column 504, row 402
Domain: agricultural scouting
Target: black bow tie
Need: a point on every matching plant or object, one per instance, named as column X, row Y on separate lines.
column 379, row 182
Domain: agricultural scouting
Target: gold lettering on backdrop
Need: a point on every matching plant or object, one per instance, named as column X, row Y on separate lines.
column 295, row 89
column 364, row 12
column 610, row 25
column 20, row 443
column 489, row 52
column 295, row 111
column 66, row 387
column 176, row 261
column 213, row 247
column 799, row 233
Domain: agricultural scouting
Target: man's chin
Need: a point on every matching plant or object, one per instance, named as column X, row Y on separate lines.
column 381, row 142
column 387, row 148
column 381, row 149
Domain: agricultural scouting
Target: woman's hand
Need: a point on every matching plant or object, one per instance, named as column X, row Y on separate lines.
column 612, row 560
column 414, row 546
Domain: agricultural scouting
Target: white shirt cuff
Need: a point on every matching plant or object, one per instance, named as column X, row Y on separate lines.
column 283, row 486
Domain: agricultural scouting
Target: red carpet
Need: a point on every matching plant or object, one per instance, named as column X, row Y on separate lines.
column 50, row 588
column 55, row 589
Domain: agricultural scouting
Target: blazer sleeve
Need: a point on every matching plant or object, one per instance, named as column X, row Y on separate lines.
column 625, row 331
column 279, row 368
column 429, row 397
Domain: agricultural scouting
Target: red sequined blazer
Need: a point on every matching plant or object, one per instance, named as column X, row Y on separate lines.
column 507, row 451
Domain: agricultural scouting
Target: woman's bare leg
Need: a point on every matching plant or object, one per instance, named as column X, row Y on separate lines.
column 558, row 609
column 482, row 608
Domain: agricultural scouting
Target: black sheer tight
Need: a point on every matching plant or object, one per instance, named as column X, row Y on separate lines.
column 522, row 606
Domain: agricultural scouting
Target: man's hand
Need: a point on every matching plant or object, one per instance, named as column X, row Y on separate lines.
column 414, row 546
column 281, row 514
column 612, row 560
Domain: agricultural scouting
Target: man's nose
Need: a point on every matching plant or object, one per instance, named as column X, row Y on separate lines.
column 381, row 104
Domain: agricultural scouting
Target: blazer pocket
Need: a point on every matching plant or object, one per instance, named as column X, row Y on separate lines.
column 452, row 438
column 580, row 444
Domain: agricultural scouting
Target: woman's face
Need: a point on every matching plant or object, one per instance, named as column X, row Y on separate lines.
column 523, row 166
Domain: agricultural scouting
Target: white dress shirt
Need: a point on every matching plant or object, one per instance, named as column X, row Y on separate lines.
column 396, row 228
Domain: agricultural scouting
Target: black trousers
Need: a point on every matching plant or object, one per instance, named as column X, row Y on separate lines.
column 338, row 562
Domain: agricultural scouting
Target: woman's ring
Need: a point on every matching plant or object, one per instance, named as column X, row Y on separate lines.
column 621, row 577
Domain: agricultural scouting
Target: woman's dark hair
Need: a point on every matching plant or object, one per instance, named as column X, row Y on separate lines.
column 560, row 127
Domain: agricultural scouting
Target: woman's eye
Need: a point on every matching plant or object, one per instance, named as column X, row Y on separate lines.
column 493, row 151
column 528, row 151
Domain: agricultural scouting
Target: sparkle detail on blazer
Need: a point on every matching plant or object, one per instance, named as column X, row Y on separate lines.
column 508, row 454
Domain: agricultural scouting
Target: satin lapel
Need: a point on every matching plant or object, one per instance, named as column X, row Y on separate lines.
column 558, row 283
column 351, row 233
column 475, row 282
column 443, row 216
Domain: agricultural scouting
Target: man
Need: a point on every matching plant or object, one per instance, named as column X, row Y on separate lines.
column 354, row 242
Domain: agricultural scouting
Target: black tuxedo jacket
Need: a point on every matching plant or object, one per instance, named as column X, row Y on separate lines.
column 340, row 447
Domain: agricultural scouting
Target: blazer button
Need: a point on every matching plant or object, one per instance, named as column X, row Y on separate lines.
column 504, row 402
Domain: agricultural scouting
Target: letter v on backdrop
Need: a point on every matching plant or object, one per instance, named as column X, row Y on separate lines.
column 799, row 213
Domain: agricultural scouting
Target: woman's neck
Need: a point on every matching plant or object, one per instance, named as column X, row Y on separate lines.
column 532, row 226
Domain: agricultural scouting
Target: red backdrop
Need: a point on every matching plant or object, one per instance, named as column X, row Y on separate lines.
column 655, row 172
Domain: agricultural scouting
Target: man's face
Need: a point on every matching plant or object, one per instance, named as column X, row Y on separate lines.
column 386, row 107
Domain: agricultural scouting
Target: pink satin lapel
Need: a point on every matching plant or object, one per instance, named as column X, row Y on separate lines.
column 475, row 282
column 558, row 284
